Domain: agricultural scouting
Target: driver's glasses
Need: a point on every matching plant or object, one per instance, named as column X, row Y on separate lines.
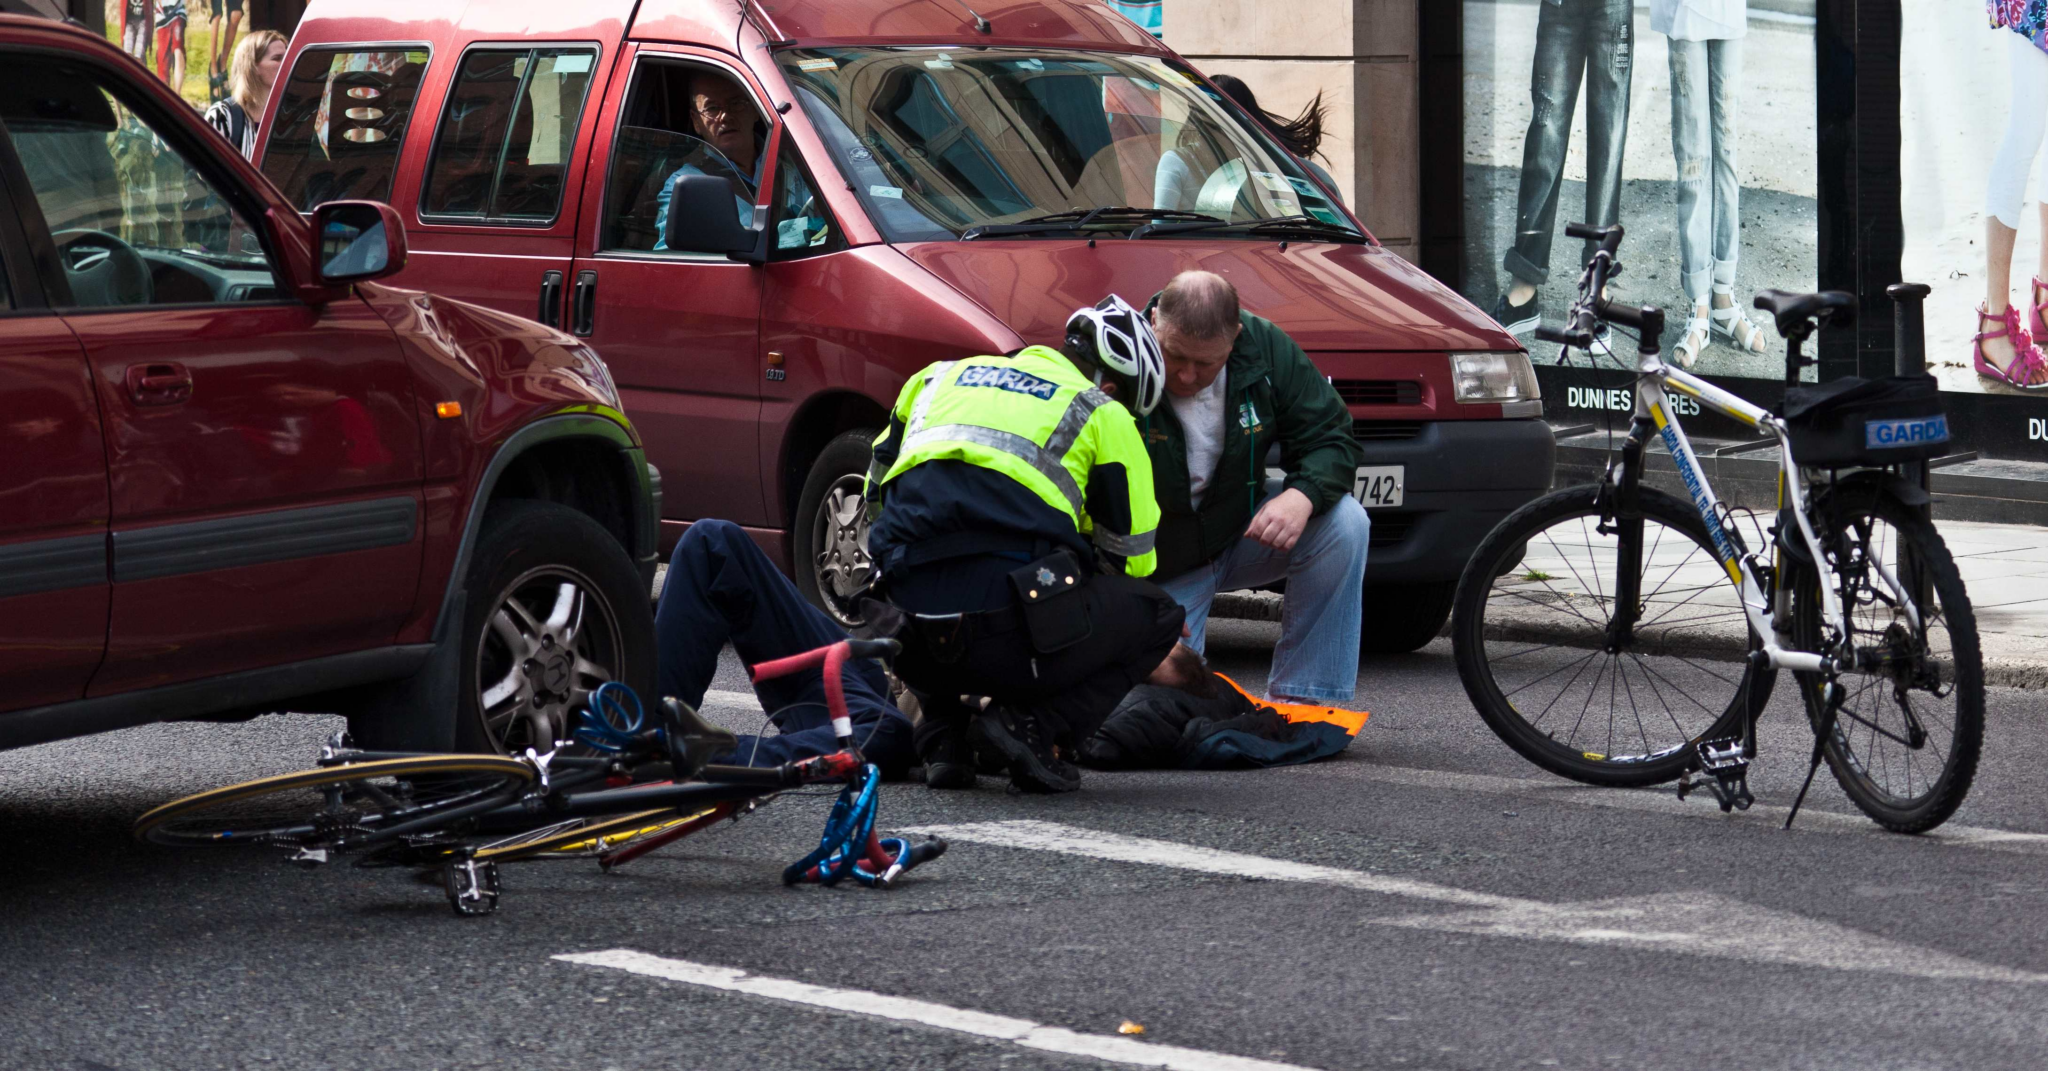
column 726, row 108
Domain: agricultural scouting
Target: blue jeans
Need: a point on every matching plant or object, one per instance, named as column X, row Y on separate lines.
column 1576, row 40
column 1317, row 659
column 720, row 589
column 1705, row 76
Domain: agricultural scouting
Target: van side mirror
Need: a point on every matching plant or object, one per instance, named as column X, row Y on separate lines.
column 702, row 218
column 359, row 240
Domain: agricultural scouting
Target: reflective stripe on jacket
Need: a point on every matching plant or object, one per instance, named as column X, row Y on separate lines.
column 1036, row 419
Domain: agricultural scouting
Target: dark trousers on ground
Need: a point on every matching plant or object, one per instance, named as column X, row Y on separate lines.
column 1593, row 40
column 1070, row 692
column 721, row 589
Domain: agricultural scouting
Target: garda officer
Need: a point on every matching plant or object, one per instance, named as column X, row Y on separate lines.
column 1012, row 515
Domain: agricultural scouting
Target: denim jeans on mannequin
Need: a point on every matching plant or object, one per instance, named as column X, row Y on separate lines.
column 1317, row 657
column 1705, row 79
column 1576, row 40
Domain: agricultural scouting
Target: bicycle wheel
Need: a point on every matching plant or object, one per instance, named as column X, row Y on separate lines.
column 1905, row 742
column 1536, row 650
column 330, row 806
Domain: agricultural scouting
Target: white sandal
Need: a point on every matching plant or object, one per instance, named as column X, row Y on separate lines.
column 1687, row 351
column 1731, row 324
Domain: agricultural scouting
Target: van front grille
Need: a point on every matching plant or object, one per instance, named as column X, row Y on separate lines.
column 1379, row 391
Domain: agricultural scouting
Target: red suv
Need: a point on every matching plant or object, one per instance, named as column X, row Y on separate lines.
column 238, row 477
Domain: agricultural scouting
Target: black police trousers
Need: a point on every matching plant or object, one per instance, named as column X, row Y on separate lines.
column 1133, row 625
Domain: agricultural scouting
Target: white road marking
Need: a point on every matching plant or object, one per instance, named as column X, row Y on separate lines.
column 1653, row 801
column 1694, row 922
column 1665, row 801
column 1024, row 1032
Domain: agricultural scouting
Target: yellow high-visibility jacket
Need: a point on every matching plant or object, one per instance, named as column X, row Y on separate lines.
column 1074, row 462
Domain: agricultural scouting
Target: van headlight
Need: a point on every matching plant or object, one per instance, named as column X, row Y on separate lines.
column 1495, row 376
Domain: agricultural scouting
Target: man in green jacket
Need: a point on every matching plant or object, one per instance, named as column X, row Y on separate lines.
column 1237, row 386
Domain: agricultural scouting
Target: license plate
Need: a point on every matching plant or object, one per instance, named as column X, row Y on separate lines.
column 1379, row 486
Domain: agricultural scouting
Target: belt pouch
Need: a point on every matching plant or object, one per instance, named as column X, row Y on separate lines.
column 1048, row 593
column 944, row 637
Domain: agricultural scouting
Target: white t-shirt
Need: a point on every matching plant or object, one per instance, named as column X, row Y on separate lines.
column 1201, row 418
column 1700, row 20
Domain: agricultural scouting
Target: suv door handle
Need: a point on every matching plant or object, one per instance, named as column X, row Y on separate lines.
column 583, row 305
column 159, row 383
column 550, row 298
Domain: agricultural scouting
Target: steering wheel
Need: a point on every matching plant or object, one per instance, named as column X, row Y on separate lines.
column 104, row 270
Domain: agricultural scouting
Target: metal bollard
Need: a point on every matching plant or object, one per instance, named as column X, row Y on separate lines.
column 1909, row 349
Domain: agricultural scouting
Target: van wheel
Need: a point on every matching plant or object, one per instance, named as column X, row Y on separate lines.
column 555, row 608
column 831, row 536
column 1400, row 618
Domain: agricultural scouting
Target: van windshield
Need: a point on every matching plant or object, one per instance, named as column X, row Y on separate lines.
column 944, row 144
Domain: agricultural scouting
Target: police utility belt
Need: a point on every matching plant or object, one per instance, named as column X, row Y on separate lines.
column 1048, row 608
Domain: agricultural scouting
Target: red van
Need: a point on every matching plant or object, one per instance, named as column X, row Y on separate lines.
column 765, row 216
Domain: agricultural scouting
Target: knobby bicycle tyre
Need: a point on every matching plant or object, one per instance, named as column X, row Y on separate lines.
column 1939, row 671
column 298, row 810
column 1529, row 625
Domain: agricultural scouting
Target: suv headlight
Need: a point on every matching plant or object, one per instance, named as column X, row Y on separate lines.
column 1495, row 376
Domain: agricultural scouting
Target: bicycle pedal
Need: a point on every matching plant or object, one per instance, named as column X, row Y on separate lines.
column 307, row 858
column 1727, row 770
column 472, row 887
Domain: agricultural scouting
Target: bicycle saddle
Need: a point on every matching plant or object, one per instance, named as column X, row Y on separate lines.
column 692, row 740
column 1830, row 306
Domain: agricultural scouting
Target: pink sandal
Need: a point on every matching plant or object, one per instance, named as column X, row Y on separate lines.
column 2027, row 360
column 2035, row 324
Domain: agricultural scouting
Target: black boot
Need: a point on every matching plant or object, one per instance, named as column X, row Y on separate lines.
column 946, row 746
column 1026, row 745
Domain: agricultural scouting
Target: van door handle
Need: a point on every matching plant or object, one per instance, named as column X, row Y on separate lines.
column 159, row 383
column 550, row 298
column 583, row 305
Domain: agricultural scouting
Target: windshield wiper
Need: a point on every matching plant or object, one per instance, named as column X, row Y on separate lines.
column 1077, row 218
column 1306, row 226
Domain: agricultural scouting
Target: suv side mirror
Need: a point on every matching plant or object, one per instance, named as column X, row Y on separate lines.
column 359, row 240
column 702, row 219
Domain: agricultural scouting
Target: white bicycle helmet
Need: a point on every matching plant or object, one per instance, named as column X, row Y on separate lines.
column 1123, row 344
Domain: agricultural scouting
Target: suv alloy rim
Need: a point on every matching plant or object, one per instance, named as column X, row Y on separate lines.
column 843, row 566
column 549, row 643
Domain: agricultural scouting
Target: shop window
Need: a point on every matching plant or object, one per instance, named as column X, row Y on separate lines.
column 507, row 134
column 341, row 120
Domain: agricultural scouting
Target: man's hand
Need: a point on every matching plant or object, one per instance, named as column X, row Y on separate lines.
column 1281, row 519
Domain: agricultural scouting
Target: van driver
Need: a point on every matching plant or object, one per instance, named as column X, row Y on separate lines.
column 722, row 116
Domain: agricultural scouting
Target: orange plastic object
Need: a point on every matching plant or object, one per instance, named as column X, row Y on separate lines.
column 447, row 410
column 1351, row 721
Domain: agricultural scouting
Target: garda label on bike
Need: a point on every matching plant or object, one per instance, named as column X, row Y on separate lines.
column 1881, row 434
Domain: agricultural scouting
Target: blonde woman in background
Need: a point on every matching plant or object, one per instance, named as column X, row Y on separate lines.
column 251, row 73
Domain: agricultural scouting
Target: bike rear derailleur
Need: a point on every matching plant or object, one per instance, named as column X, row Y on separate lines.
column 1727, row 770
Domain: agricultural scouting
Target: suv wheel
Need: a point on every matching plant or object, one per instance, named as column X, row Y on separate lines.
column 831, row 552
column 555, row 609
column 1400, row 618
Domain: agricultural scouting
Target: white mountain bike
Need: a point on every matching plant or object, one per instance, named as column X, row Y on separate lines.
column 1616, row 635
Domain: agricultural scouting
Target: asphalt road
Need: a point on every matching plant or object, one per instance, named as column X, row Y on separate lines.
column 1425, row 901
